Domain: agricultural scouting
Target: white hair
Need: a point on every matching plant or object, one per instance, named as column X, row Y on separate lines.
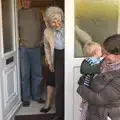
column 51, row 12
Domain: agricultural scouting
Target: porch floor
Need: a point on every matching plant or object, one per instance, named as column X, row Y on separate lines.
column 34, row 108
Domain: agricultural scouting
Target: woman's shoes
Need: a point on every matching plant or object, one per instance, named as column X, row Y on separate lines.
column 45, row 110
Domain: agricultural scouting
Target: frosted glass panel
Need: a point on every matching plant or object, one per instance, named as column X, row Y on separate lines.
column 7, row 17
column 99, row 18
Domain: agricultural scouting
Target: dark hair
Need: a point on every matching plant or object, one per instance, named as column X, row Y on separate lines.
column 112, row 44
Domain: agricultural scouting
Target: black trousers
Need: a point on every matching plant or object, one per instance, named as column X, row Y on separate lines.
column 59, row 82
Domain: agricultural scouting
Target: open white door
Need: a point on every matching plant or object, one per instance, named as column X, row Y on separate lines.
column 88, row 18
column 10, row 81
column 72, row 66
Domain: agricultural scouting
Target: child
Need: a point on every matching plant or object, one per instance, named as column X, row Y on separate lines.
column 93, row 52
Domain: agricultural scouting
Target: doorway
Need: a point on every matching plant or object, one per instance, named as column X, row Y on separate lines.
column 9, row 58
column 34, row 107
column 41, row 4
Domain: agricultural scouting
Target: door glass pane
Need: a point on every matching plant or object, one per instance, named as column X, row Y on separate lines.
column 7, row 17
column 95, row 20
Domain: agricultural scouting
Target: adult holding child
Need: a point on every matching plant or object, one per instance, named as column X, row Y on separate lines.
column 103, row 96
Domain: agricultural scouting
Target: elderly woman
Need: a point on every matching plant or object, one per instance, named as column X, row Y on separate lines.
column 50, row 80
column 54, row 51
column 103, row 96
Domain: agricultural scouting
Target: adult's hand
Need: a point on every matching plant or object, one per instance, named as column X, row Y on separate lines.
column 51, row 68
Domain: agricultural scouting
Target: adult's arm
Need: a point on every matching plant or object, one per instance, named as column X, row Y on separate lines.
column 86, row 68
column 82, row 35
column 110, row 94
column 47, row 49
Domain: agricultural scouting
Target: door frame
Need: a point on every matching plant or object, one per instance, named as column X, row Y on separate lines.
column 17, row 44
column 1, row 93
column 70, row 61
column 4, row 55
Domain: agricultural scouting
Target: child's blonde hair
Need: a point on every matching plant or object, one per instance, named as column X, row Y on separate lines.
column 89, row 49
